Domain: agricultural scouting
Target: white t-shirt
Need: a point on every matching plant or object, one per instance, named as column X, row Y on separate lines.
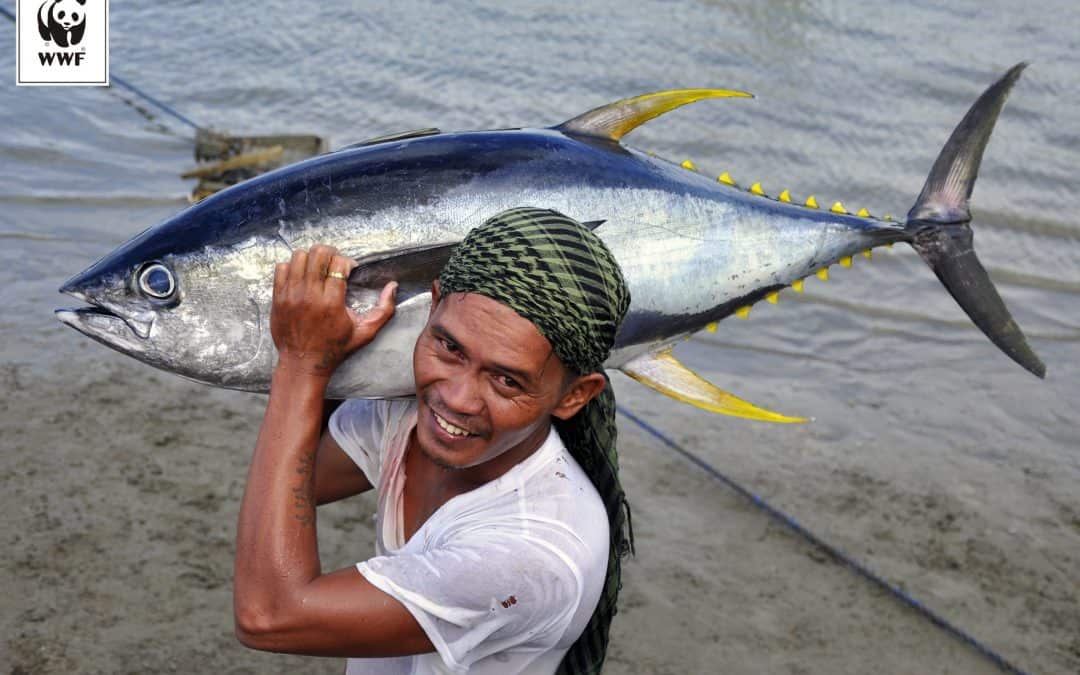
column 503, row 578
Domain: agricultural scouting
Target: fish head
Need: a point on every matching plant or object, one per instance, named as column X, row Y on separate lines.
column 193, row 308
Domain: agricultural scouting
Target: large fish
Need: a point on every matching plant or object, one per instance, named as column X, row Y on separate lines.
column 192, row 295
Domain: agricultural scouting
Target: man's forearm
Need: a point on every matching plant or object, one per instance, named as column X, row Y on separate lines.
column 281, row 599
column 276, row 546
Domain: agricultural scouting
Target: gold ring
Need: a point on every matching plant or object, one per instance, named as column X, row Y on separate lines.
column 336, row 275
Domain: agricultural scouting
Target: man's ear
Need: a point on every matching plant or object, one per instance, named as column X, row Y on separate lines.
column 436, row 295
column 583, row 389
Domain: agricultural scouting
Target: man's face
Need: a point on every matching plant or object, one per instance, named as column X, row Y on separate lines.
column 487, row 382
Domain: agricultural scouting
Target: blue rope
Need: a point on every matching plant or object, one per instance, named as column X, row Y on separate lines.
column 831, row 550
column 124, row 83
column 154, row 101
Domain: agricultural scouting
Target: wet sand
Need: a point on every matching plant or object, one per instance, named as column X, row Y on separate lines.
column 122, row 489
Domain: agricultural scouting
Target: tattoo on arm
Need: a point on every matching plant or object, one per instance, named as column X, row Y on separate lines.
column 307, row 463
column 304, row 494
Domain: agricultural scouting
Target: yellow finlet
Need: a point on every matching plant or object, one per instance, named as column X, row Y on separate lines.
column 712, row 327
column 687, row 164
column 743, row 312
column 615, row 120
column 756, row 189
column 823, row 274
column 867, row 254
column 888, row 217
column 726, row 178
column 663, row 372
column 785, row 197
column 797, row 285
column 811, row 202
column 889, row 245
column 773, row 298
column 846, row 261
column 863, row 212
column 651, row 153
column 838, row 208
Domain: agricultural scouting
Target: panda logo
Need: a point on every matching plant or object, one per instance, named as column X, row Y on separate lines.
column 62, row 21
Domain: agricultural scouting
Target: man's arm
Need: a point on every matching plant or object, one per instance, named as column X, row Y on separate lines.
column 282, row 600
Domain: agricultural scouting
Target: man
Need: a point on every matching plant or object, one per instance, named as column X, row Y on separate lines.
column 498, row 546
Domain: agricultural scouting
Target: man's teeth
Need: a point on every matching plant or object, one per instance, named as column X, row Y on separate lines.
column 450, row 428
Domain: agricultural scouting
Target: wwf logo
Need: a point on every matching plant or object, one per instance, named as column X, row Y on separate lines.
column 62, row 21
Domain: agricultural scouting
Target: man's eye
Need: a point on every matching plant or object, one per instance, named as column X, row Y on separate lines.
column 448, row 345
column 508, row 382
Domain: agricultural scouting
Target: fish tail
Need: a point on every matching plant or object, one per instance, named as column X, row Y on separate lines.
column 939, row 226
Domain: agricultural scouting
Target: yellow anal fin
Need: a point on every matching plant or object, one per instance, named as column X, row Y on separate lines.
column 617, row 119
column 665, row 374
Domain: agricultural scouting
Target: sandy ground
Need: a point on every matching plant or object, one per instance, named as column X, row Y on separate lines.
column 121, row 489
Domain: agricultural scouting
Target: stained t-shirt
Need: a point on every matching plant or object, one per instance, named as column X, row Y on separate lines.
column 503, row 578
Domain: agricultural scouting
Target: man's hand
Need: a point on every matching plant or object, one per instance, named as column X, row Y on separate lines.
column 312, row 328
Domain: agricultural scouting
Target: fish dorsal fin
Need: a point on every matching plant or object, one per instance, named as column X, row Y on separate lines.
column 615, row 120
column 663, row 372
column 398, row 136
column 413, row 267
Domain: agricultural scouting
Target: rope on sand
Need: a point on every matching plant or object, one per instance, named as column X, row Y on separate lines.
column 127, row 85
column 829, row 549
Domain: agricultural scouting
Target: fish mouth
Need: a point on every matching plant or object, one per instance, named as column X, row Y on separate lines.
column 104, row 324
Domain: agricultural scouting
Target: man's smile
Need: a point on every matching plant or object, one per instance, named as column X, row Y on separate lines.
column 450, row 428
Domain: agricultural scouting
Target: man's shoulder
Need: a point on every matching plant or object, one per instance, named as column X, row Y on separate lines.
column 372, row 414
column 382, row 408
column 363, row 428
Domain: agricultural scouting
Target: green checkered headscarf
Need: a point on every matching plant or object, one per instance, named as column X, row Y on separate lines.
column 554, row 272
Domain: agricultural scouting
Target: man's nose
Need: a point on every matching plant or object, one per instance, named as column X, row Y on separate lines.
column 461, row 394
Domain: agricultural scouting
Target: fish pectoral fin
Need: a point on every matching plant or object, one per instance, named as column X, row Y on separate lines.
column 413, row 267
column 615, row 120
column 663, row 372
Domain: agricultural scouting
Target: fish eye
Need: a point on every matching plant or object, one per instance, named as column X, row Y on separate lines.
column 156, row 281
